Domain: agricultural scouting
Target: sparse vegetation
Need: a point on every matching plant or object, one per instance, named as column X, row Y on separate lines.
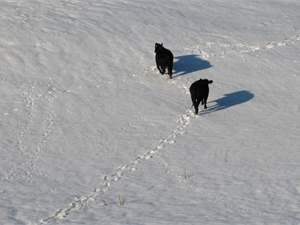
column 104, row 202
column 122, row 200
column 185, row 174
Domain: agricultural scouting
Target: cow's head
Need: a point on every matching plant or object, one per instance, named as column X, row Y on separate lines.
column 158, row 47
column 205, row 81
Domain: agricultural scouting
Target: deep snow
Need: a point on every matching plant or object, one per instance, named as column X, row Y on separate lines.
column 87, row 119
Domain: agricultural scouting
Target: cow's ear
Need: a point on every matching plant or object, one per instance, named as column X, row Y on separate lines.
column 210, row 82
column 161, row 44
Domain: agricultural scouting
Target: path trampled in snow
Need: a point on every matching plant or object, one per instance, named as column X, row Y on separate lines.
column 85, row 113
column 108, row 180
column 182, row 122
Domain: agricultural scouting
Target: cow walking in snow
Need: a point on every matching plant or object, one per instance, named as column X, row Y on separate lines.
column 199, row 93
column 164, row 58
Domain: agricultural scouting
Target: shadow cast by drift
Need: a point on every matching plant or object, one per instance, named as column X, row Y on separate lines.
column 229, row 100
column 189, row 64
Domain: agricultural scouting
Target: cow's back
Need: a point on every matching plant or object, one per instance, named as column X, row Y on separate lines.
column 199, row 89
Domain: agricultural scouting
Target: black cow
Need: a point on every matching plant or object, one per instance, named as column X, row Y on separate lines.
column 199, row 93
column 164, row 58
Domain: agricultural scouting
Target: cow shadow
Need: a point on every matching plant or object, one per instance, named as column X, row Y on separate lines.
column 189, row 63
column 229, row 100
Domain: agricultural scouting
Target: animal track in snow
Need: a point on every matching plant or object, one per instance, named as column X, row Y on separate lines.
column 29, row 101
column 211, row 49
column 30, row 155
column 182, row 122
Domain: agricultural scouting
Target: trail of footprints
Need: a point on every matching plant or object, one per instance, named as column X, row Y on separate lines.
column 28, row 166
column 211, row 49
column 108, row 180
column 182, row 122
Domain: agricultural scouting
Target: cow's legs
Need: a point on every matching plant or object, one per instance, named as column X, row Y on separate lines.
column 196, row 103
column 163, row 70
column 170, row 67
column 160, row 68
column 204, row 102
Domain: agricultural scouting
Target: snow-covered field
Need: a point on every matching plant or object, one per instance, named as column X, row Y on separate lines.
column 87, row 121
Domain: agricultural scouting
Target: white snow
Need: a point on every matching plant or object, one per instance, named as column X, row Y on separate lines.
column 86, row 119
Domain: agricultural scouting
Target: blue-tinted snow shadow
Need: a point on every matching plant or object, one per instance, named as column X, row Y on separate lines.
column 229, row 100
column 188, row 64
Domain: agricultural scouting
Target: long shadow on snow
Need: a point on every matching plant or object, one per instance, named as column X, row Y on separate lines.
column 231, row 99
column 188, row 64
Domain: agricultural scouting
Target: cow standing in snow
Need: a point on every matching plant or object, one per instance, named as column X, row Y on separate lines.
column 164, row 58
column 199, row 93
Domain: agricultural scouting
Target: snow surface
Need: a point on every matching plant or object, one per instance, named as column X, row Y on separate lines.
column 86, row 119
